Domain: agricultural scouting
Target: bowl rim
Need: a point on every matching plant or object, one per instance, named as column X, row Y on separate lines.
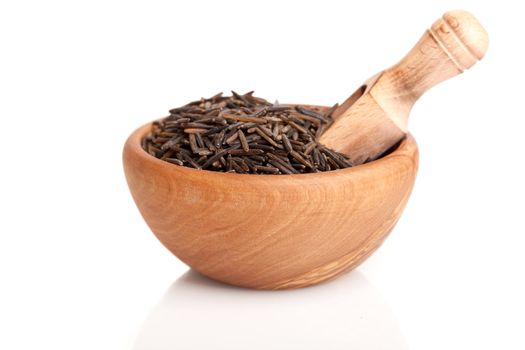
column 407, row 146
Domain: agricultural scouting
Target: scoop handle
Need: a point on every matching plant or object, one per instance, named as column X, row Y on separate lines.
column 454, row 43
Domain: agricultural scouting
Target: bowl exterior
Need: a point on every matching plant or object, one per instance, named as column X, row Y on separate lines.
column 270, row 231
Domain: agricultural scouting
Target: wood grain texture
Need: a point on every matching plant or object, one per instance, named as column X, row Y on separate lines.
column 270, row 231
column 371, row 124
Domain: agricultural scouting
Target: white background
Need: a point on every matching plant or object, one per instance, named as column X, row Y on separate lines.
column 79, row 269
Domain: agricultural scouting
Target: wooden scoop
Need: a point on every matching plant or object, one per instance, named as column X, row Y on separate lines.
column 375, row 117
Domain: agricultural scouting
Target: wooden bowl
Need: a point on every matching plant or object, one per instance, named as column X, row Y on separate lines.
column 270, row 231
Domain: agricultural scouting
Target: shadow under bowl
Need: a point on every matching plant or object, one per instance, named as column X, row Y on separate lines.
column 270, row 231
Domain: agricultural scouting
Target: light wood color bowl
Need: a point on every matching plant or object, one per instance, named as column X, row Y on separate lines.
column 271, row 231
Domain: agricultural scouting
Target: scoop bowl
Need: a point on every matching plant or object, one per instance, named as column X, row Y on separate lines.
column 271, row 231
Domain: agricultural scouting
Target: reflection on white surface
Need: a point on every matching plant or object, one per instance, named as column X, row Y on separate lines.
column 197, row 313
